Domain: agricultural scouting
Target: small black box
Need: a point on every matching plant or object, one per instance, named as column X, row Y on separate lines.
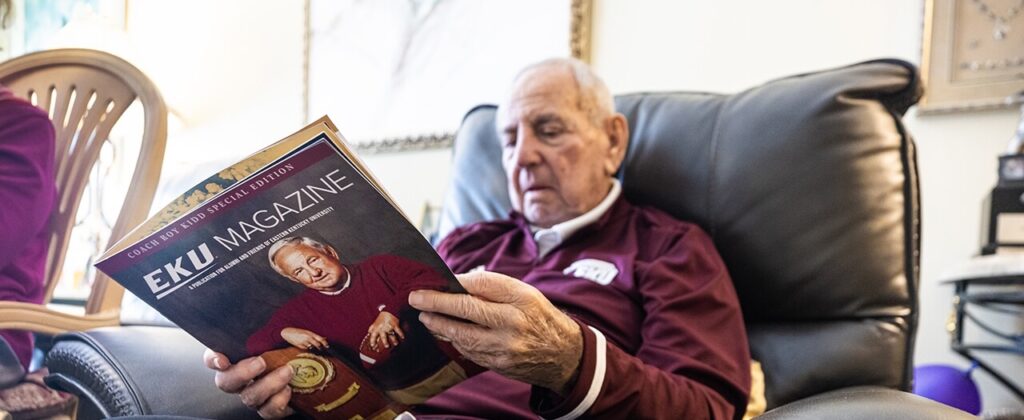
column 1003, row 214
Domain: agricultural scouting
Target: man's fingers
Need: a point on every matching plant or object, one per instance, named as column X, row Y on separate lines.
column 234, row 378
column 494, row 287
column 258, row 393
column 398, row 330
column 277, row 405
column 464, row 306
column 467, row 335
column 318, row 342
column 215, row 361
column 479, row 344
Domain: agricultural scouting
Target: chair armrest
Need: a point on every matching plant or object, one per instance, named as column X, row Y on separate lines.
column 39, row 318
column 139, row 370
column 868, row 402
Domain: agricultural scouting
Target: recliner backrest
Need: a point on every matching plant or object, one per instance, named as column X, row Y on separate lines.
column 808, row 186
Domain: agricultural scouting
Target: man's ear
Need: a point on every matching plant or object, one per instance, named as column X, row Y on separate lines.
column 617, row 129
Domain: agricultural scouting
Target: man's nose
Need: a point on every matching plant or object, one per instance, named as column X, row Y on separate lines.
column 526, row 151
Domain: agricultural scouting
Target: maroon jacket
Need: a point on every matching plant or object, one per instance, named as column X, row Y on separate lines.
column 663, row 335
column 379, row 283
column 27, row 194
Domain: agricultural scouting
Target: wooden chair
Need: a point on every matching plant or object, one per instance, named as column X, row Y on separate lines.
column 85, row 93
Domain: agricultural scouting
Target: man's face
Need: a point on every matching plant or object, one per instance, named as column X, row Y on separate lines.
column 311, row 267
column 556, row 161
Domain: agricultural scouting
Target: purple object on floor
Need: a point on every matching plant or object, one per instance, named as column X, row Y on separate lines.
column 948, row 385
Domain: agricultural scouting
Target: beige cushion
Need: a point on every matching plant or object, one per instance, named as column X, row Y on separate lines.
column 757, row 403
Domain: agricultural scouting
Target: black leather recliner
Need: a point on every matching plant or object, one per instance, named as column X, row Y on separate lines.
column 808, row 186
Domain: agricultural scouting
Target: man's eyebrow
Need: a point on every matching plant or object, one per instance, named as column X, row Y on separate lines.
column 546, row 118
column 534, row 120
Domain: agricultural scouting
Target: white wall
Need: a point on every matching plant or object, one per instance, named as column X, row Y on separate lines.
column 228, row 70
column 413, row 178
column 233, row 69
column 730, row 45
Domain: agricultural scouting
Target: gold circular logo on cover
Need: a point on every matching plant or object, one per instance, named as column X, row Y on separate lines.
column 310, row 373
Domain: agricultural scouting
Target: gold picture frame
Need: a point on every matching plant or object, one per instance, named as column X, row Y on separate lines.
column 582, row 12
column 972, row 54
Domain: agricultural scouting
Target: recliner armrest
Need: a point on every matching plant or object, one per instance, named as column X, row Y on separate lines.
column 139, row 370
column 868, row 402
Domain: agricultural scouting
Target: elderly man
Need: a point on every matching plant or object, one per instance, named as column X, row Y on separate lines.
column 601, row 308
column 382, row 282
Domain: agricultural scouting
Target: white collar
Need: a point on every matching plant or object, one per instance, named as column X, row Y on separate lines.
column 549, row 238
column 348, row 281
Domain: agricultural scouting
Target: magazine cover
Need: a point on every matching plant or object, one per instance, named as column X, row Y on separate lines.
column 297, row 255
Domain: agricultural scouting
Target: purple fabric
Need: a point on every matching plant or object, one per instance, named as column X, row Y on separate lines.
column 676, row 342
column 27, row 195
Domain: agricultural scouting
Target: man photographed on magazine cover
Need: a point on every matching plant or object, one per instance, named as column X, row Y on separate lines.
column 361, row 311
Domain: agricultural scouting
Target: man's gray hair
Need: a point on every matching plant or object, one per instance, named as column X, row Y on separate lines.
column 594, row 97
column 290, row 241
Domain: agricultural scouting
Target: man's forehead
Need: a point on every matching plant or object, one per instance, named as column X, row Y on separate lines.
column 542, row 90
column 298, row 246
column 292, row 251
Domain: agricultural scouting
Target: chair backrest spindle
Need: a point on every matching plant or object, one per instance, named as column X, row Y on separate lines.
column 85, row 93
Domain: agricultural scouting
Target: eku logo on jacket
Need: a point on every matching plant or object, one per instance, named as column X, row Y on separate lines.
column 597, row 271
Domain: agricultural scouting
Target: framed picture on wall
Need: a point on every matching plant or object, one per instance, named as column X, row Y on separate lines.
column 399, row 74
column 972, row 54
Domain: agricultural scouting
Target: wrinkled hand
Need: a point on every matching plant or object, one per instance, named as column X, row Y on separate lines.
column 269, row 394
column 385, row 331
column 508, row 326
column 304, row 339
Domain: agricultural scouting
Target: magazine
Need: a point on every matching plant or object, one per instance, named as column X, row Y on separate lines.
column 298, row 255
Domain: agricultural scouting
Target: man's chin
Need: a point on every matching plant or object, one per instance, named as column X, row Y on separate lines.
column 541, row 219
column 326, row 285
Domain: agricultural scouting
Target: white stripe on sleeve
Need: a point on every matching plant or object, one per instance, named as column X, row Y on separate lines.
column 597, row 383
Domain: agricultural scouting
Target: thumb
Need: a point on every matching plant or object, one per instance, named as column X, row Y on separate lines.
column 215, row 361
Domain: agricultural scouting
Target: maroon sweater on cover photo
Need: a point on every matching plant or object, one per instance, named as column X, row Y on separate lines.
column 663, row 331
column 27, row 195
column 379, row 283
